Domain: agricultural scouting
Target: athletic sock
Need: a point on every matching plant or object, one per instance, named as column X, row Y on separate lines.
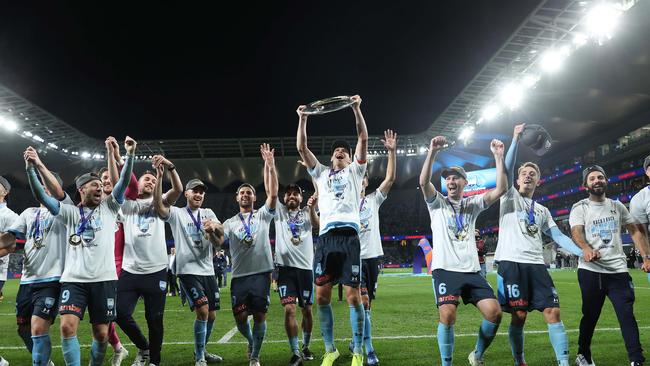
column 293, row 344
column 41, row 350
column 367, row 333
column 446, row 343
column 71, row 351
column 327, row 326
column 516, row 336
column 357, row 320
column 259, row 330
column 208, row 330
column 113, row 338
column 486, row 334
column 97, row 353
column 199, row 339
column 306, row 338
column 245, row 330
column 26, row 335
column 560, row 342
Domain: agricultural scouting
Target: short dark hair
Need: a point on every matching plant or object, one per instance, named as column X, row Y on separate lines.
column 246, row 185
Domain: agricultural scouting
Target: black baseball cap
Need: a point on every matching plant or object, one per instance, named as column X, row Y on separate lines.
column 341, row 143
column 193, row 183
column 5, row 183
column 293, row 187
column 646, row 162
column 454, row 170
column 589, row 170
column 85, row 178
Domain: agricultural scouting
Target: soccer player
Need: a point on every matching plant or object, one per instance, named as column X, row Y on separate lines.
column 7, row 218
column 45, row 242
column 109, row 176
column 196, row 231
column 596, row 224
column 252, row 261
column 89, row 277
column 640, row 203
column 294, row 256
column 144, row 265
column 370, row 239
column 338, row 256
column 455, row 264
column 523, row 281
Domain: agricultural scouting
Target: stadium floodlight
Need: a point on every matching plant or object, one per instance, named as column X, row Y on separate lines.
column 529, row 81
column 466, row 133
column 65, row 150
column 490, row 112
column 423, row 149
column 28, row 134
column 552, row 60
column 38, row 138
column 52, row 146
column 511, row 95
column 85, row 155
column 96, row 156
column 579, row 39
column 8, row 124
column 602, row 20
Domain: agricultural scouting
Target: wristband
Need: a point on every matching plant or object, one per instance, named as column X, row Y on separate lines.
column 171, row 168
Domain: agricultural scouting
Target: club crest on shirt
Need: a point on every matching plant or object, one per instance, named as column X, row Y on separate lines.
column 605, row 229
column 337, row 183
column 145, row 219
column 194, row 234
column 364, row 217
column 88, row 235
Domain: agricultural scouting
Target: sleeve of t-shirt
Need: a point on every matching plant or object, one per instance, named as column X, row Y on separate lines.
column 316, row 170
column 266, row 214
column 379, row 198
column 638, row 209
column 66, row 211
column 548, row 220
column 19, row 226
column 173, row 214
column 227, row 230
column 66, row 199
column 112, row 204
column 359, row 169
column 477, row 203
column 576, row 217
column 435, row 201
column 626, row 218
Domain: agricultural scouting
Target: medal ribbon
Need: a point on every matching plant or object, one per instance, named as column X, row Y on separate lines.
column 84, row 220
column 531, row 214
column 293, row 224
column 196, row 220
column 458, row 216
column 247, row 227
column 36, row 228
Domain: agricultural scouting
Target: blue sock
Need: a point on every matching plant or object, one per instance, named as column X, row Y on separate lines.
column 516, row 336
column 306, row 338
column 199, row 339
column 486, row 334
column 97, row 353
column 41, row 350
column 293, row 343
column 71, row 351
column 560, row 342
column 208, row 330
column 327, row 326
column 357, row 320
column 446, row 343
column 367, row 333
column 259, row 330
column 245, row 330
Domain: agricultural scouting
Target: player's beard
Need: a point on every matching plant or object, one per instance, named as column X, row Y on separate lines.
column 599, row 190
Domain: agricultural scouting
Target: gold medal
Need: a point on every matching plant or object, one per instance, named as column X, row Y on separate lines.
column 38, row 242
column 296, row 240
column 74, row 239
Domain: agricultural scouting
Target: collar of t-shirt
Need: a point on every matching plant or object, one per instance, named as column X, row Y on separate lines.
column 3, row 204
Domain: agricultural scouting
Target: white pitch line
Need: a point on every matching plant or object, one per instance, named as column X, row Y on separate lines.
column 386, row 338
column 231, row 333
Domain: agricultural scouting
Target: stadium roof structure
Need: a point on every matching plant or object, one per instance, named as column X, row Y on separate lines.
column 550, row 25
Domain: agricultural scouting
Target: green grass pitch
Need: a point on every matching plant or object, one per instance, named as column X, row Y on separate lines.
column 404, row 325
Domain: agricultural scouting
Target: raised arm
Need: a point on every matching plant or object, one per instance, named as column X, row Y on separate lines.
column 158, row 203
column 120, row 187
column 641, row 243
column 390, row 143
column 308, row 158
column 312, row 203
column 511, row 155
column 176, row 190
column 361, row 151
column 490, row 197
column 270, row 176
column 52, row 204
column 428, row 189
column 49, row 179
column 112, row 159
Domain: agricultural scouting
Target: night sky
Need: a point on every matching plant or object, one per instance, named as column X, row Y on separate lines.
column 241, row 69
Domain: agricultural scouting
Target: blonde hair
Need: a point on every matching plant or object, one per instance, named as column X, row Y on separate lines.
column 531, row 165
